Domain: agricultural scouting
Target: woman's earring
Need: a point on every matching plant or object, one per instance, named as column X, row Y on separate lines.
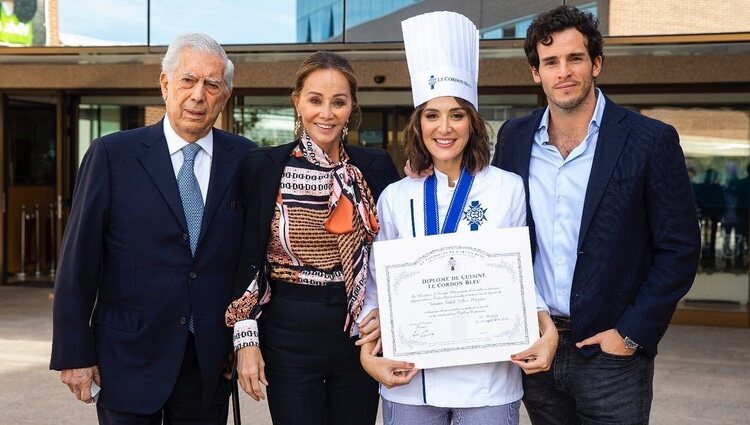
column 345, row 131
column 297, row 124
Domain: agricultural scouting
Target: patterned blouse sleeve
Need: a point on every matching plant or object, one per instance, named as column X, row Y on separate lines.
column 242, row 314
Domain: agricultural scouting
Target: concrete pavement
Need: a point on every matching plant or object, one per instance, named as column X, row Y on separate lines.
column 702, row 373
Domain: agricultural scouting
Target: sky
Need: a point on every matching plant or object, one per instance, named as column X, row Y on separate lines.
column 114, row 22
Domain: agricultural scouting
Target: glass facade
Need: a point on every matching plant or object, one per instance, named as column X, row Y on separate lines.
column 100, row 116
column 95, row 121
column 319, row 20
column 149, row 22
column 93, row 23
column 322, row 20
column 516, row 27
column 266, row 125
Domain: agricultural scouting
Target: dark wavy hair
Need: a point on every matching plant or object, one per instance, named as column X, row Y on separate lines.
column 560, row 19
column 476, row 153
column 329, row 60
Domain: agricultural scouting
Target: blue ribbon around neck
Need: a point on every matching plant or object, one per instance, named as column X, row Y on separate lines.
column 458, row 201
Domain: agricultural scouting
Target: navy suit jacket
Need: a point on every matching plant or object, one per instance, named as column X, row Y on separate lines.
column 639, row 241
column 261, row 176
column 127, row 282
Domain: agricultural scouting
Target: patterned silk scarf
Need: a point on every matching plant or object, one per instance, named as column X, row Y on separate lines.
column 351, row 216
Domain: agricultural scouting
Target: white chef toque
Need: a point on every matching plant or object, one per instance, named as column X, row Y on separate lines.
column 442, row 52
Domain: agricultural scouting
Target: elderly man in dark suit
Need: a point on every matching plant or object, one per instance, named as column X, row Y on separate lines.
column 614, row 229
column 149, row 254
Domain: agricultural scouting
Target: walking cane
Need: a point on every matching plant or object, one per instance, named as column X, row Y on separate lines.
column 235, row 395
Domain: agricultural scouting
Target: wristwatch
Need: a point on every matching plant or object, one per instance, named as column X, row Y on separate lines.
column 629, row 343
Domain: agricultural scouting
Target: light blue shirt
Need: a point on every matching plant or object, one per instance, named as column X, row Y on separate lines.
column 557, row 188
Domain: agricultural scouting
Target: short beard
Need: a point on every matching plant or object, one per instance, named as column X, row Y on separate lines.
column 573, row 104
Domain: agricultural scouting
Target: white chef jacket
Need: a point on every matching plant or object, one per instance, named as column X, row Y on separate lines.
column 401, row 214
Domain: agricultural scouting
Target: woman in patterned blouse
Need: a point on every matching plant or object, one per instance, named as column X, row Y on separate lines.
column 310, row 220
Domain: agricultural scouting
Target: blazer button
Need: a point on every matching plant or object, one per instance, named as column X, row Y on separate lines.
column 193, row 275
column 183, row 320
column 185, row 236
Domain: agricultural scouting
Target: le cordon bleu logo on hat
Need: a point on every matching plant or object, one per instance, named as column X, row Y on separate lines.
column 432, row 81
column 442, row 52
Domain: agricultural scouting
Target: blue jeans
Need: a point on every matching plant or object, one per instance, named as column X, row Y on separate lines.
column 603, row 389
column 407, row 414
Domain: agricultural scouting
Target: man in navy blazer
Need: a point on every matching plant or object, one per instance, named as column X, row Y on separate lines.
column 613, row 225
column 140, row 292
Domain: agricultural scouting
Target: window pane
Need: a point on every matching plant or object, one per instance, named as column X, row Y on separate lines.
column 229, row 22
column 100, row 119
column 100, row 23
column 265, row 125
column 319, row 21
column 30, row 137
column 95, row 22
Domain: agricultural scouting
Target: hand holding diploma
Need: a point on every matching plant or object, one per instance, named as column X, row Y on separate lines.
column 538, row 357
column 390, row 373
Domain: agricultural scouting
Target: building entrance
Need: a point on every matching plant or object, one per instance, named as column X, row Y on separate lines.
column 30, row 176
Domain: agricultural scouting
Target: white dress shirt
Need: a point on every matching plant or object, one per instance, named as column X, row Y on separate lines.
column 401, row 214
column 202, row 165
column 557, row 189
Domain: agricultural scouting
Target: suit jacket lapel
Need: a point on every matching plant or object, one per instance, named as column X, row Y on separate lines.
column 223, row 167
column 159, row 167
column 609, row 145
column 525, row 142
column 269, row 190
column 521, row 158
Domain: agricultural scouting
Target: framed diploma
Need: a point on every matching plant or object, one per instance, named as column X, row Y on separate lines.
column 457, row 298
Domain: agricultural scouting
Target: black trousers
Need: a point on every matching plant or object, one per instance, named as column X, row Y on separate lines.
column 184, row 406
column 312, row 365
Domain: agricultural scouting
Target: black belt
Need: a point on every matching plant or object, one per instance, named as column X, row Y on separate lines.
column 562, row 323
column 332, row 293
